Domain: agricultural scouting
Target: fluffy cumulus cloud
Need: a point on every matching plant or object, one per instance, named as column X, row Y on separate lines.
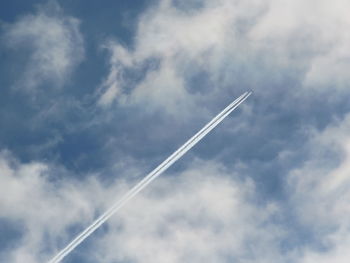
column 206, row 212
column 203, row 214
column 52, row 43
column 228, row 45
column 36, row 206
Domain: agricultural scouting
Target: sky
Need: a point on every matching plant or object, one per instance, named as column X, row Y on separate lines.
column 95, row 94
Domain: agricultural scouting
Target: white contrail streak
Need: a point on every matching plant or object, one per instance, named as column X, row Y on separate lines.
column 149, row 178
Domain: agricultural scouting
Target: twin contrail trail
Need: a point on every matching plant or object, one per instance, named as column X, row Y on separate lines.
column 149, row 178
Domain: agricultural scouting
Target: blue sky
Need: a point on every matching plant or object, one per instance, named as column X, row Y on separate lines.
column 96, row 94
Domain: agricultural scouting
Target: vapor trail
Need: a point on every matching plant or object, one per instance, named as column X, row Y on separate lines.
column 150, row 177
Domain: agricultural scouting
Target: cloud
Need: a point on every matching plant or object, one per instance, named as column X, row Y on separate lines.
column 176, row 41
column 232, row 46
column 314, row 31
column 320, row 193
column 203, row 214
column 52, row 42
column 37, row 204
column 290, row 145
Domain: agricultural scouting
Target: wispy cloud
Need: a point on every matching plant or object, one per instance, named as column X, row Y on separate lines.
column 30, row 199
column 52, row 42
column 232, row 44
column 320, row 193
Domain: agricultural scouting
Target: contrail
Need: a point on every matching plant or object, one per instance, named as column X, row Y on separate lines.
column 149, row 178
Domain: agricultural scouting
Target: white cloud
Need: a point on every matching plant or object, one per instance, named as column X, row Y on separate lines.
column 53, row 41
column 174, row 38
column 204, row 215
column 223, row 38
column 31, row 199
column 321, row 193
column 317, row 30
